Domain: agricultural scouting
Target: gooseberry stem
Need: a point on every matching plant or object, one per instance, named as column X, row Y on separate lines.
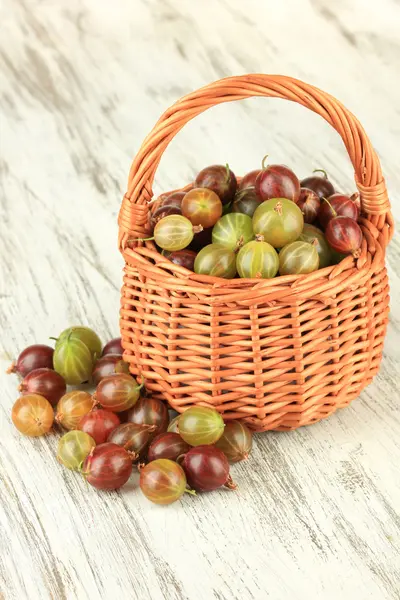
column 192, row 492
column 263, row 161
column 230, row 484
column 321, row 171
column 278, row 208
column 259, row 237
column 53, row 338
column 197, row 228
column 12, row 368
column 228, row 174
column 141, row 239
column 330, row 206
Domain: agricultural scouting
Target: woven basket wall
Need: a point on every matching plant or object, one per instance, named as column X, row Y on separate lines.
column 277, row 353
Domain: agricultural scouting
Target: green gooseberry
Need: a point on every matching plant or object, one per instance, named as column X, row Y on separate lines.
column 73, row 360
column 73, row 448
column 279, row 220
column 314, row 235
column 257, row 259
column 216, row 260
column 298, row 257
column 85, row 335
column 233, row 231
column 175, row 232
column 200, row 425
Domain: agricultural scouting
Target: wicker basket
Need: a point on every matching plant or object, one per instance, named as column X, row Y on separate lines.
column 277, row 353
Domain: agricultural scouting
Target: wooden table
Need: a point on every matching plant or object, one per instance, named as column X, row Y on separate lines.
column 82, row 83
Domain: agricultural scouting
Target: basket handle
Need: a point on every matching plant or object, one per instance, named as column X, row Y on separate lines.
column 368, row 175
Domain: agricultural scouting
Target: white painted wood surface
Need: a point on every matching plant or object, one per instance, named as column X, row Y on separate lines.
column 82, row 83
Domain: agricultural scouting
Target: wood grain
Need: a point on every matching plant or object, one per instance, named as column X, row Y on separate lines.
column 82, row 83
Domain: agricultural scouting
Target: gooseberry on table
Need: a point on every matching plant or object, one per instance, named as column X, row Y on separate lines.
column 257, row 259
column 279, row 221
column 38, row 356
column 107, row 365
column 117, row 392
column 150, row 411
column 220, row 179
column 277, row 181
column 207, row 469
column 175, row 232
column 236, row 441
column 132, row 437
column 32, row 415
column 297, row 258
column 320, row 185
column 85, row 335
column 217, row 261
column 72, row 407
column 99, row 424
column 46, row 382
column 163, row 481
column 233, row 231
column 202, row 206
column 200, row 425
column 344, row 235
column 167, row 445
column 107, row 467
column 338, row 205
column 313, row 235
column 73, row 448
column 73, row 360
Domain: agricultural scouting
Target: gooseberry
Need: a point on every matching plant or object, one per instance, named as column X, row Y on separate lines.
column 73, row 448
column 109, row 365
column 202, row 206
column 32, row 415
column 236, row 441
column 220, row 179
column 233, row 231
column 200, row 425
column 150, row 411
column 175, row 232
column 298, row 257
column 73, row 360
column 309, row 204
column 108, row 467
column 113, row 347
column 246, row 201
column 344, row 235
column 173, row 425
column 33, row 357
column 183, row 258
column 249, row 180
column 72, row 407
column 167, row 445
column 46, row 382
column 201, row 239
column 132, row 436
column 85, row 335
column 313, row 235
column 207, row 469
column 163, row 481
column 217, row 261
column 320, row 185
column 337, row 205
column 279, row 221
column 257, row 259
column 117, row 392
column 161, row 212
column 277, row 181
column 99, row 424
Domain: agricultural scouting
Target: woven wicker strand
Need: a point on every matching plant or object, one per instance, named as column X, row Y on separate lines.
column 276, row 353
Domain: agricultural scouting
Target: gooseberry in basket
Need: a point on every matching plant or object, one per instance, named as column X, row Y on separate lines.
column 319, row 184
column 236, row 442
column 309, row 204
column 297, row 258
column 277, row 181
column 279, row 221
column 117, row 392
column 249, row 180
column 108, row 466
column 73, row 360
column 46, row 382
column 338, row 205
column 217, row 261
column 150, row 411
column 173, row 426
column 163, row 481
column 207, row 469
column 167, row 445
column 313, row 235
column 107, row 365
column 183, row 258
column 220, row 179
column 132, row 437
column 32, row 415
column 73, row 448
column 160, row 213
column 85, row 335
column 233, row 231
column 257, row 259
column 72, row 407
column 200, row 425
column 344, row 235
column 175, row 232
column 38, row 356
column 246, row 201
column 99, row 424
column 202, row 207
column 114, row 346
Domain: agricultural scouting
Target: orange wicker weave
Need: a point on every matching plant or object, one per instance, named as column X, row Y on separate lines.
column 278, row 353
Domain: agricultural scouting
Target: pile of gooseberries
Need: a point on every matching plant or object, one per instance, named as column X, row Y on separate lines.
column 112, row 424
column 228, row 227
